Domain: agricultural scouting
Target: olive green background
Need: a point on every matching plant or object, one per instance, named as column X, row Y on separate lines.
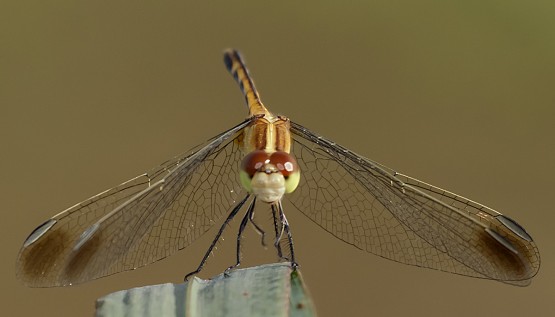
column 456, row 93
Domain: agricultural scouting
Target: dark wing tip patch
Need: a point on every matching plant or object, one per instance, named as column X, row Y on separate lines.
column 39, row 262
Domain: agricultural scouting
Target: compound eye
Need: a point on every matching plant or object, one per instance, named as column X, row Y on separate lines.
column 288, row 167
column 284, row 162
column 254, row 161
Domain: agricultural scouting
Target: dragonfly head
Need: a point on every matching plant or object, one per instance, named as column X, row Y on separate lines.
column 269, row 175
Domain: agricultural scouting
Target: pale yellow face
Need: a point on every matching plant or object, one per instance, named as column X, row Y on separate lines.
column 269, row 176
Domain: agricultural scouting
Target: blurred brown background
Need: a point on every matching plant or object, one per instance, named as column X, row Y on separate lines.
column 456, row 93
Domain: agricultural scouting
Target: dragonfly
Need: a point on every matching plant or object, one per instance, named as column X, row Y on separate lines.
column 266, row 159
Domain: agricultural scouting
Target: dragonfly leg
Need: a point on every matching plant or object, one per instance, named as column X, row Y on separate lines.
column 279, row 227
column 239, row 236
column 279, row 233
column 222, row 228
column 257, row 228
column 285, row 224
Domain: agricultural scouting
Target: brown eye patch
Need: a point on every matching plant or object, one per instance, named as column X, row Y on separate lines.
column 254, row 161
column 284, row 162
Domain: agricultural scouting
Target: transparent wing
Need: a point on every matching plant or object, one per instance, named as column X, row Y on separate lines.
column 400, row 218
column 138, row 222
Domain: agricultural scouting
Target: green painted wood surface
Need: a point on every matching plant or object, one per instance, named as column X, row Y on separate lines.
column 267, row 290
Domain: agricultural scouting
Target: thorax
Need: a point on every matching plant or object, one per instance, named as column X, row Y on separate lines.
column 268, row 133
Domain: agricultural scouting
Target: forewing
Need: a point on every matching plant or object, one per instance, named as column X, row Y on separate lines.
column 400, row 218
column 138, row 222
